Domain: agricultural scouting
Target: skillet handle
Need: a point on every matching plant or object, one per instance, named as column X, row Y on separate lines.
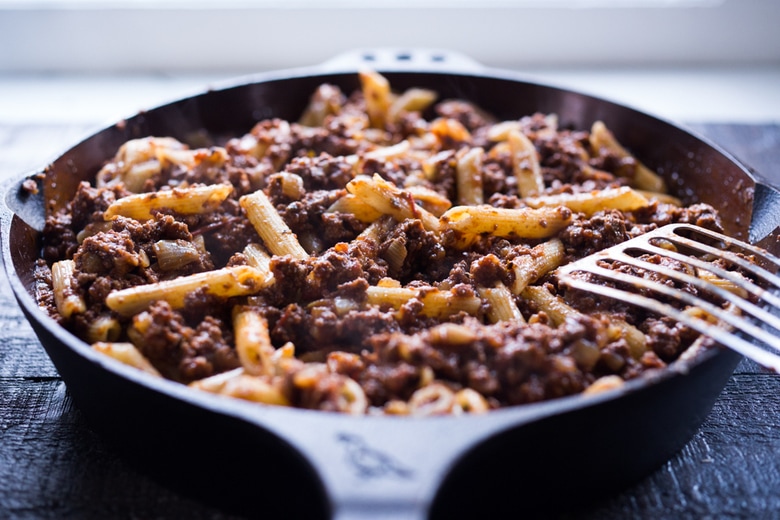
column 400, row 59
column 766, row 219
column 383, row 467
column 26, row 204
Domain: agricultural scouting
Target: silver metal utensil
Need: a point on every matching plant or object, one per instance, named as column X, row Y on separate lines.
column 716, row 277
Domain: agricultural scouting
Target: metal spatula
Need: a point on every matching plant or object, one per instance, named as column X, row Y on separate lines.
column 714, row 284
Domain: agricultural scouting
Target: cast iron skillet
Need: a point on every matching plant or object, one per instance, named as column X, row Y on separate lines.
column 278, row 462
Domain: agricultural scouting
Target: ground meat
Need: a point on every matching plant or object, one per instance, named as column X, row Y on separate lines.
column 488, row 270
column 44, row 294
column 667, row 338
column 181, row 352
column 467, row 114
column 60, row 239
column 510, row 364
column 410, row 251
column 108, row 254
column 323, row 172
column 317, row 229
column 586, row 236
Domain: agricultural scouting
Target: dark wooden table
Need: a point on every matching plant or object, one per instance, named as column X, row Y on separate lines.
column 52, row 465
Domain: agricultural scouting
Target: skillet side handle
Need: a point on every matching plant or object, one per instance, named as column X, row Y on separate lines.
column 766, row 219
column 24, row 201
column 400, row 59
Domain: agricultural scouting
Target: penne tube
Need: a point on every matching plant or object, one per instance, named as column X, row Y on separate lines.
column 102, row 329
column 226, row 282
column 253, row 342
column 623, row 199
column 376, row 91
column 376, row 229
column 501, row 304
column 412, row 100
column 542, row 259
column 433, row 399
column 471, row 401
column 637, row 341
column 186, row 201
column 325, row 101
column 237, row 383
column 500, row 131
column 559, row 311
column 436, row 303
column 128, row 354
column 356, row 206
column 449, row 131
column 276, row 235
column 175, row 254
column 663, row 198
column 380, row 153
column 386, row 198
column 384, row 153
column 67, row 300
column 554, row 306
column 255, row 389
column 432, row 201
column 469, row 178
column 216, row 382
column 525, row 164
column 138, row 160
column 727, row 285
column 543, row 222
column 258, row 258
column 643, row 177
column 604, row 384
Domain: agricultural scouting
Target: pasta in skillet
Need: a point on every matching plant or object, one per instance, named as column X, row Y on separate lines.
column 390, row 252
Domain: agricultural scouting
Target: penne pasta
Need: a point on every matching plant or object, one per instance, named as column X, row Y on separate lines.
column 376, row 91
column 175, row 254
column 412, row 100
column 386, row 198
column 449, row 132
column 186, row 201
column 325, row 101
column 226, row 282
column 356, row 206
column 542, row 259
column 559, row 311
column 643, row 178
column 67, row 300
column 663, row 198
column 104, row 328
column 253, row 342
column 525, row 164
column 554, row 306
column 623, row 199
column 432, row 201
column 237, row 383
column 128, row 354
column 542, row 222
column 469, row 178
column 501, row 304
column 500, row 131
column 274, row 232
column 258, row 258
column 436, row 303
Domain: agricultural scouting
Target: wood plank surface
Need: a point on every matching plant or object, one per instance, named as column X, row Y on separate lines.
column 52, row 465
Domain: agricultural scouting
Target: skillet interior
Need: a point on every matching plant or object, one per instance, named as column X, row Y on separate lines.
column 650, row 415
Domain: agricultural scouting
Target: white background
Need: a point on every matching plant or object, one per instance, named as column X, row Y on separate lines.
column 93, row 61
